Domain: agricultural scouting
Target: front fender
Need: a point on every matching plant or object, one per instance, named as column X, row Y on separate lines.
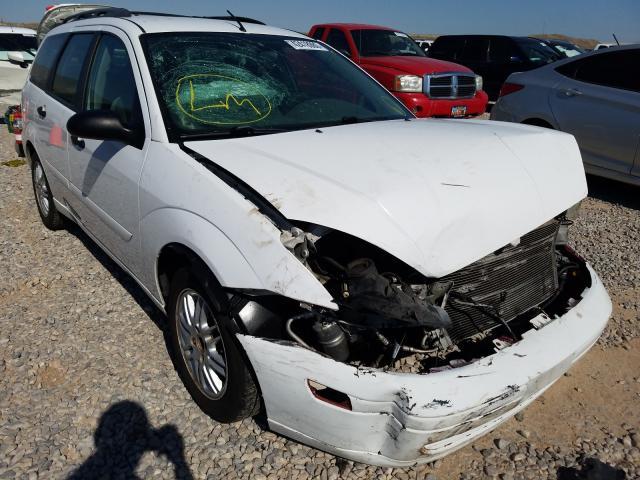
column 231, row 265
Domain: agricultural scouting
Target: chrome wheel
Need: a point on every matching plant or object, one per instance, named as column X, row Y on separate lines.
column 201, row 344
column 42, row 189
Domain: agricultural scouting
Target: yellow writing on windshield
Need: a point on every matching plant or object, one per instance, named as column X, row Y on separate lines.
column 223, row 104
column 220, row 100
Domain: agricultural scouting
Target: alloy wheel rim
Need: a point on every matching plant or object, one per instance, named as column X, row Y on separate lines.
column 201, row 344
column 42, row 189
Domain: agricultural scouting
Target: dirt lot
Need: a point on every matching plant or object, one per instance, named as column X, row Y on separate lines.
column 86, row 384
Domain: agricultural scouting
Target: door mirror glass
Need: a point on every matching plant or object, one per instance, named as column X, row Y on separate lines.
column 104, row 125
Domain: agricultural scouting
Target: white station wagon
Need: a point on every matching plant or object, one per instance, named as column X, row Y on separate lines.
column 385, row 288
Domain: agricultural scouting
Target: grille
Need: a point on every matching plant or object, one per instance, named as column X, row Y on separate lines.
column 512, row 280
column 450, row 86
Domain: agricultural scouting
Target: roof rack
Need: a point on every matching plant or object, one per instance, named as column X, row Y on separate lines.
column 99, row 12
column 116, row 12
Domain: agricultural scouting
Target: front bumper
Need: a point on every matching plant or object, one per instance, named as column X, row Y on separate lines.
column 423, row 106
column 402, row 419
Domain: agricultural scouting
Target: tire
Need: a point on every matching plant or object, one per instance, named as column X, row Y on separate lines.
column 50, row 216
column 202, row 351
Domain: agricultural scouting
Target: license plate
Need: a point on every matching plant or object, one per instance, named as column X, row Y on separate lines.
column 459, row 111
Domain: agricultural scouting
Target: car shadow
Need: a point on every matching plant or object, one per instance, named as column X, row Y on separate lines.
column 591, row 469
column 128, row 283
column 123, row 436
column 614, row 192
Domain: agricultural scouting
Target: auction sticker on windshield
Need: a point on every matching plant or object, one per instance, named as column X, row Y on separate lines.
column 305, row 45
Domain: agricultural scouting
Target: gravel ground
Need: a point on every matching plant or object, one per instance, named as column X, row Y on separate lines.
column 87, row 389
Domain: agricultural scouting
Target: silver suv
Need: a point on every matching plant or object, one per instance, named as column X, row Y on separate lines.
column 385, row 288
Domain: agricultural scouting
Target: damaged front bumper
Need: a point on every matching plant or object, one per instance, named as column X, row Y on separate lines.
column 399, row 419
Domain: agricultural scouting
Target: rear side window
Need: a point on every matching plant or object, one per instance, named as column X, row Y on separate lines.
column 46, row 59
column 446, row 48
column 111, row 85
column 615, row 69
column 475, row 50
column 16, row 42
column 67, row 77
column 501, row 50
column 317, row 34
column 338, row 40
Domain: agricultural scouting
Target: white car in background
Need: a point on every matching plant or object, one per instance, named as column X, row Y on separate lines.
column 17, row 50
column 595, row 97
column 424, row 44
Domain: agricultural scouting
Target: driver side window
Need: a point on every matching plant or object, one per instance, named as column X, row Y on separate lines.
column 111, row 85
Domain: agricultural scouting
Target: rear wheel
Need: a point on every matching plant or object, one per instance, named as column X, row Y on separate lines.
column 44, row 198
column 205, row 351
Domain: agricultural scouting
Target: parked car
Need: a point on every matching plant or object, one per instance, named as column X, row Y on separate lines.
column 424, row 44
column 17, row 49
column 303, row 231
column 13, row 120
column 564, row 48
column 601, row 46
column 429, row 88
column 57, row 14
column 494, row 57
column 594, row 97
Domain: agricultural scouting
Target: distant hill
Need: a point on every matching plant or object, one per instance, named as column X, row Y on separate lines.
column 588, row 43
column 33, row 26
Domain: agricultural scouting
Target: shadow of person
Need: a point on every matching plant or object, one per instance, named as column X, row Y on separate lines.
column 591, row 469
column 122, row 437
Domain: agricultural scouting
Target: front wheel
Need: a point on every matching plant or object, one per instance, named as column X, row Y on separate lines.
column 205, row 351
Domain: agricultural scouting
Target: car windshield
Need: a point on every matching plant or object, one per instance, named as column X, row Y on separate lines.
column 538, row 52
column 567, row 49
column 230, row 84
column 15, row 42
column 385, row 43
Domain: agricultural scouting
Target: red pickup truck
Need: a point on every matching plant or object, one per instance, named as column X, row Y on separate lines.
column 428, row 87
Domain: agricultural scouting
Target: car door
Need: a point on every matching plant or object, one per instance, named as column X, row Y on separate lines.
column 40, row 110
column 474, row 54
column 338, row 40
column 598, row 101
column 504, row 59
column 105, row 173
column 52, row 108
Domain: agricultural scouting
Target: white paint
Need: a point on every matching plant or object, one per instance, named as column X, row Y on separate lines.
column 415, row 189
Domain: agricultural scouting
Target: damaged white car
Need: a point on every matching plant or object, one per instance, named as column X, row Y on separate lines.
column 385, row 288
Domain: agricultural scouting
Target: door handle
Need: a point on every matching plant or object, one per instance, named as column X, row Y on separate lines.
column 572, row 92
column 78, row 142
column 42, row 111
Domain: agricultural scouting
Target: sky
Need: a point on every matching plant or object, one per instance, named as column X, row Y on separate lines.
column 596, row 19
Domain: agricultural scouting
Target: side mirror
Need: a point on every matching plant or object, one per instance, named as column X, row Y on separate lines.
column 104, row 125
column 17, row 58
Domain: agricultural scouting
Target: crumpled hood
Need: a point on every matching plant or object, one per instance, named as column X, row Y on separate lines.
column 437, row 194
column 414, row 65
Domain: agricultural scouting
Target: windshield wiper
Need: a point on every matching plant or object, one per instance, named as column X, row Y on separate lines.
column 233, row 132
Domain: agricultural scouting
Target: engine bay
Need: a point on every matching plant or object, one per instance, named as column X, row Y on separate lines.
column 391, row 317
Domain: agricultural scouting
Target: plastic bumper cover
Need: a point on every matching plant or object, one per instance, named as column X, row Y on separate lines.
column 401, row 419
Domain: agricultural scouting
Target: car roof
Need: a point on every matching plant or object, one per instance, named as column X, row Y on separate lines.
column 356, row 26
column 582, row 56
column 17, row 30
column 479, row 35
column 144, row 22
